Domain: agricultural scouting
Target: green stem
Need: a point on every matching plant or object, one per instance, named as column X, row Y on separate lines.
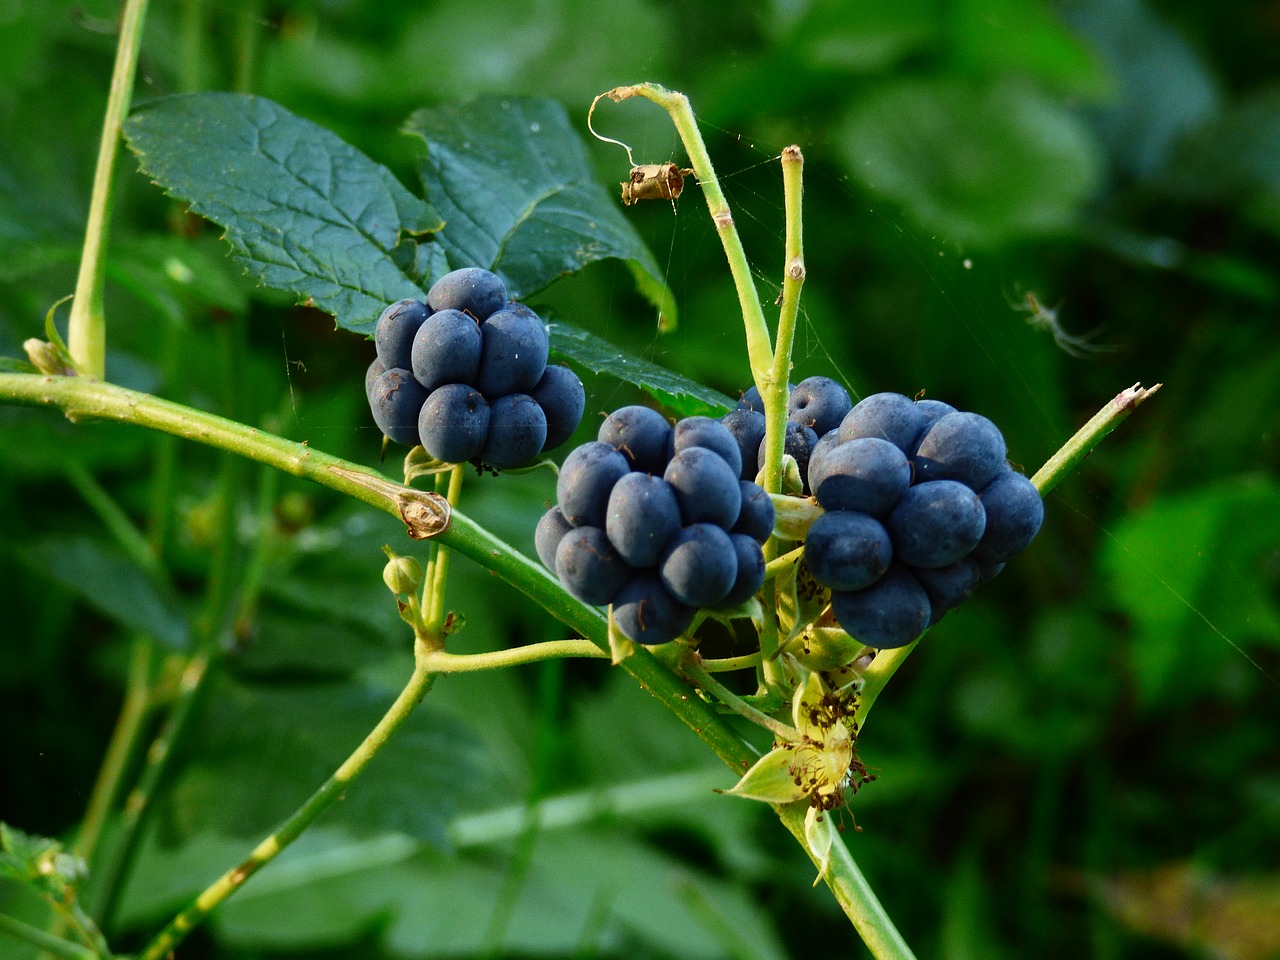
column 124, row 742
column 112, row 515
column 852, row 892
column 699, row 675
column 438, row 661
column 115, row 867
column 677, row 105
column 773, row 390
column 730, row 664
column 266, row 851
column 433, row 601
column 780, row 565
column 883, row 666
column 1089, row 436
column 87, row 333
column 45, row 941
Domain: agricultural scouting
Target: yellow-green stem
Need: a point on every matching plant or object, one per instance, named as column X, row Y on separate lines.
column 266, row 851
column 677, row 106
column 87, row 333
column 438, row 661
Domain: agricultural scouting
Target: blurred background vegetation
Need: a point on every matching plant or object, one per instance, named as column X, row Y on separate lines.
column 1082, row 761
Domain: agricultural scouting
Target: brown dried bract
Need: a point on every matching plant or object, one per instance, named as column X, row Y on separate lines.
column 654, row 181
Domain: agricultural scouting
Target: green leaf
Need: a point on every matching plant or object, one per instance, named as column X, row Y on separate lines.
column 303, row 210
column 1184, row 570
column 511, row 177
column 978, row 163
column 263, row 750
column 106, row 579
column 685, row 397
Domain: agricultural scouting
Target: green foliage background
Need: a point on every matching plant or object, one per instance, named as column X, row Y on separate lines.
column 1086, row 745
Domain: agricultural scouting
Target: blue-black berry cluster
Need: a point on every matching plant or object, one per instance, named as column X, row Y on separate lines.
column 657, row 521
column 921, row 506
column 465, row 375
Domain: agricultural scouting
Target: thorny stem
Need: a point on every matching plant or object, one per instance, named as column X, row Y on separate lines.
column 87, row 333
column 266, row 851
column 677, row 105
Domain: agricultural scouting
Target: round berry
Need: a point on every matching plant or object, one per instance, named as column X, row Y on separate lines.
column 936, row 523
column 818, row 402
column 710, row 433
column 891, row 612
column 454, row 423
column 517, row 432
column 747, row 429
column 513, row 353
column 446, row 349
column 866, row 475
column 586, row 479
column 643, row 518
column 644, row 611
column 394, row 331
column 641, row 434
column 473, row 290
column 700, row 566
column 886, row 416
column 750, row 571
column 707, row 490
column 961, row 446
column 1014, row 513
column 548, row 534
column 395, row 400
column 589, row 567
column 562, row 398
column 757, row 515
column 847, row 551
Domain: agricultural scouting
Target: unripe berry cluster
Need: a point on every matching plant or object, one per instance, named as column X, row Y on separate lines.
column 657, row 521
column 465, row 375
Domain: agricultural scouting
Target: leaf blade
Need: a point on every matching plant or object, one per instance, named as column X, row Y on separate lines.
column 303, row 210
column 686, row 397
column 512, row 179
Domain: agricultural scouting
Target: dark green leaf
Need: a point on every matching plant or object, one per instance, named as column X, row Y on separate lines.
column 305, row 211
column 106, row 579
column 1184, row 571
column 512, row 180
column 263, row 750
column 975, row 163
column 682, row 395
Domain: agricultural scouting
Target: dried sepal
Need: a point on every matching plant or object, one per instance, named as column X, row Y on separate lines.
column 654, row 181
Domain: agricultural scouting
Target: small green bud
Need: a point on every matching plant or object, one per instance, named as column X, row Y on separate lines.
column 402, row 575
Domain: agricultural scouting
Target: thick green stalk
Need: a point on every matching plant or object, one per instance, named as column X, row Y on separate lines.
column 266, row 851
column 677, row 105
column 87, row 333
column 852, row 892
